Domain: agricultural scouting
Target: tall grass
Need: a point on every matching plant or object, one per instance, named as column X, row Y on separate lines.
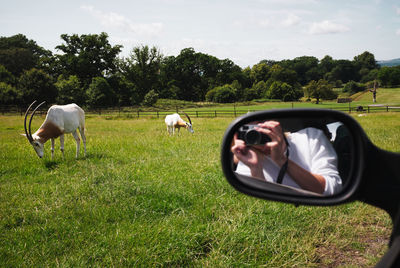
column 143, row 198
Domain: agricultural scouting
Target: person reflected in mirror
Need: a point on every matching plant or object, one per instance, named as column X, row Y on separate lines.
column 307, row 158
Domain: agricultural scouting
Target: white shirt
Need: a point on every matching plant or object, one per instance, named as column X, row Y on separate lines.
column 310, row 149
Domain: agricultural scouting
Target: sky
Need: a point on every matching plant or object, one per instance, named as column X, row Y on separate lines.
column 244, row 31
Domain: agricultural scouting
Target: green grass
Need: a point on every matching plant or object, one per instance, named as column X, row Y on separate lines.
column 142, row 198
column 390, row 96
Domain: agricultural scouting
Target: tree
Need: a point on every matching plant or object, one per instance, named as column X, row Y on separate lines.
column 284, row 91
column 344, row 70
column 260, row 89
column 6, row 76
column 125, row 91
column 88, row 56
column 279, row 73
column 320, row 90
column 142, row 68
column 389, row 76
column 372, row 87
column 99, row 93
column 8, row 94
column 36, row 85
column 326, row 64
column 260, row 72
column 306, row 68
column 70, row 90
column 19, row 54
column 366, row 60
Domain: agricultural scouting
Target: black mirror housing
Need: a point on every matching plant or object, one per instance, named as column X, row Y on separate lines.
column 257, row 189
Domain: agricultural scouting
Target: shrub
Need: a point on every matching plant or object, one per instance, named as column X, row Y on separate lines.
column 353, row 87
column 150, row 98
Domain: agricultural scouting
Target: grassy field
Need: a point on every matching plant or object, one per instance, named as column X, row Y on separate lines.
column 142, row 198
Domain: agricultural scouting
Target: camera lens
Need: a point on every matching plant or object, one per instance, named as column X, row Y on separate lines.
column 252, row 137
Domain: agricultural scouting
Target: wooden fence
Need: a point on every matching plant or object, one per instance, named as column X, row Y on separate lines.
column 131, row 112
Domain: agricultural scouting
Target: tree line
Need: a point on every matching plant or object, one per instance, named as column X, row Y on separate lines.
column 88, row 70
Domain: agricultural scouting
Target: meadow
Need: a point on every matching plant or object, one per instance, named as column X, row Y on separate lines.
column 143, row 198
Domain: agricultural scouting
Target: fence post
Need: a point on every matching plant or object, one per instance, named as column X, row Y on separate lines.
column 215, row 112
column 138, row 114
column 368, row 109
column 387, row 108
column 197, row 114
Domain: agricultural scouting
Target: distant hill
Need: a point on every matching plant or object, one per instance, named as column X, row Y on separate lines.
column 389, row 63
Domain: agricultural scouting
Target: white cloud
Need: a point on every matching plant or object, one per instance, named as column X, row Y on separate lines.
column 120, row 22
column 398, row 10
column 291, row 20
column 327, row 27
column 398, row 32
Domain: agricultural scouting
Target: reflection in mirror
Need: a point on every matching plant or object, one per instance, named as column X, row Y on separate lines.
column 293, row 155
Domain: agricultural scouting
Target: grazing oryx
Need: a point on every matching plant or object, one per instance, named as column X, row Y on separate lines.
column 175, row 121
column 60, row 119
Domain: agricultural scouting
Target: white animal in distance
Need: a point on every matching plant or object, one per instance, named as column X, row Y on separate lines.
column 174, row 121
column 60, row 119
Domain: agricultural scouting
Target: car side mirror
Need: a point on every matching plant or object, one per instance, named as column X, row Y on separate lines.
column 323, row 145
column 319, row 143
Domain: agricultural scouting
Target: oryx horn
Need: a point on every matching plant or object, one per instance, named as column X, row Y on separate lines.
column 190, row 121
column 28, row 132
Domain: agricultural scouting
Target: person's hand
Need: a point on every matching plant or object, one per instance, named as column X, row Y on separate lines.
column 276, row 148
column 251, row 157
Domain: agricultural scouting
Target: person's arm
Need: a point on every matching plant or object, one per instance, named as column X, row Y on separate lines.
column 277, row 148
column 305, row 179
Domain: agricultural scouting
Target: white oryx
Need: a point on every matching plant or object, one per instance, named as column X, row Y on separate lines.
column 175, row 121
column 60, row 119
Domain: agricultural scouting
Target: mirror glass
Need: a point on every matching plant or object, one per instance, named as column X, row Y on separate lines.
column 297, row 156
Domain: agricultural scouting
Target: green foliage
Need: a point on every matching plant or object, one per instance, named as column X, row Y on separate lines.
column 284, row 91
column 260, row 72
column 8, row 94
column 99, row 93
column 6, row 76
column 188, row 76
column 261, row 88
column 18, row 54
column 389, row 76
column 36, row 85
column 320, row 90
column 151, row 98
column 353, row 87
column 70, row 91
column 142, row 69
column 87, row 56
column 223, row 94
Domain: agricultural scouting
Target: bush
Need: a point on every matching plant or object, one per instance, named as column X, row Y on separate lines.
column 353, row 87
column 223, row 94
column 284, row 91
column 150, row 98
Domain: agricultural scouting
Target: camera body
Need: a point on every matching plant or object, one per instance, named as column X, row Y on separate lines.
column 251, row 136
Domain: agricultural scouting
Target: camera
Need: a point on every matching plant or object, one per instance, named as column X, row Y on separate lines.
column 251, row 136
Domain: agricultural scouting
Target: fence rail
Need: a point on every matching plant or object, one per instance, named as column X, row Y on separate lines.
column 131, row 112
